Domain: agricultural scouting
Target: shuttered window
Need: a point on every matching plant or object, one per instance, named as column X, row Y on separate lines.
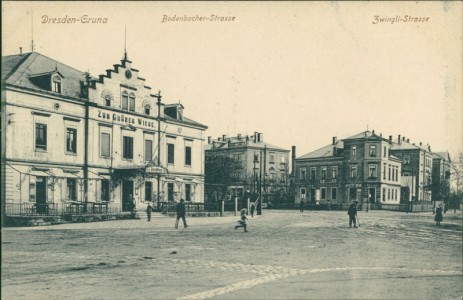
column 127, row 147
column 187, row 156
column 105, row 144
column 170, row 153
column 148, row 150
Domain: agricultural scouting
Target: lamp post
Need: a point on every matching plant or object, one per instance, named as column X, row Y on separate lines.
column 159, row 97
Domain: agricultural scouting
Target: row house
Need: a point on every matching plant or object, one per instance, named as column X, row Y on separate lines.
column 73, row 139
column 359, row 168
column 263, row 166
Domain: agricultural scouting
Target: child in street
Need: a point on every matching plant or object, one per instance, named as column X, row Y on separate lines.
column 242, row 221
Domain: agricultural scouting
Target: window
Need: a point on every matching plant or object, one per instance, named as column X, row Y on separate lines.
column 40, row 136
column 282, row 160
column 389, row 173
column 384, row 194
column 125, row 101
column 303, row 193
column 372, row 150
column 127, row 147
column 147, row 109
column 406, row 159
column 372, row 171
column 105, row 144
column 107, row 100
column 170, row 153
column 352, row 193
column 313, row 173
column 384, row 171
column 170, row 191
column 334, row 172
column 323, row 191
column 148, row 190
column 188, row 192
column 148, row 150
column 353, row 151
column 388, row 194
column 105, row 190
column 57, row 84
column 334, row 193
column 353, row 172
column 71, row 141
column 323, row 172
column 132, row 102
column 272, row 158
column 303, row 173
column 187, row 156
column 71, row 189
column 384, row 151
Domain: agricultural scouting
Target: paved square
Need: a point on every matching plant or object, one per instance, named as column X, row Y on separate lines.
column 286, row 255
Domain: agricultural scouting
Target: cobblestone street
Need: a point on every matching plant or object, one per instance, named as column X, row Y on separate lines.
column 285, row 255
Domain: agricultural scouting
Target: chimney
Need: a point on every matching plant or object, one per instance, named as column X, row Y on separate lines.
column 398, row 139
column 224, row 137
column 219, row 139
column 421, row 144
column 335, row 140
column 209, row 139
column 408, row 140
column 260, row 137
column 293, row 159
column 20, row 50
column 373, row 132
column 239, row 136
column 390, row 139
column 403, row 138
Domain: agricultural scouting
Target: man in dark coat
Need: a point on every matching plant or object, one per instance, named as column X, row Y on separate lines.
column 180, row 214
column 352, row 212
column 438, row 218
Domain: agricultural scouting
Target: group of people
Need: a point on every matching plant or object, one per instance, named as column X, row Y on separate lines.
column 179, row 208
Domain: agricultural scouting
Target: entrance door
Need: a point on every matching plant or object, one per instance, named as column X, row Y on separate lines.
column 41, row 194
column 371, row 195
column 127, row 195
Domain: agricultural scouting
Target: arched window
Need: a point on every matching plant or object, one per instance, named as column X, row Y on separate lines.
column 57, row 84
column 132, row 102
column 147, row 109
column 125, row 100
column 107, row 100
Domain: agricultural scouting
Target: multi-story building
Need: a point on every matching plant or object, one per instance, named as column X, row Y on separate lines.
column 263, row 166
column 360, row 167
column 70, row 138
column 417, row 166
column 440, row 176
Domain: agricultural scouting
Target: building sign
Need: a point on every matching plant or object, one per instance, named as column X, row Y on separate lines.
column 126, row 119
column 154, row 170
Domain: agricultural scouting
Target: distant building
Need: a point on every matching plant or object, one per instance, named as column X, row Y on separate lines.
column 264, row 167
column 73, row 141
column 440, row 176
column 360, row 168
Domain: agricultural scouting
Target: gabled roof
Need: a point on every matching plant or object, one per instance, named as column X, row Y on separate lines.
column 407, row 146
column 441, row 155
column 326, row 151
column 365, row 135
column 185, row 121
column 17, row 70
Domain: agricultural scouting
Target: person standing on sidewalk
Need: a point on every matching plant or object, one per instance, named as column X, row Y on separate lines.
column 149, row 209
column 352, row 212
column 438, row 218
column 301, row 206
column 180, row 214
column 252, row 210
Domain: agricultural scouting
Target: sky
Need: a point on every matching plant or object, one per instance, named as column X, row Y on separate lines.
column 299, row 72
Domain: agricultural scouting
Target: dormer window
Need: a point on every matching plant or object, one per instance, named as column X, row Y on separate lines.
column 147, row 109
column 56, row 84
column 132, row 102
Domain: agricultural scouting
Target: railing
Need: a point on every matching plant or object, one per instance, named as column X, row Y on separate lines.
column 31, row 209
column 190, row 207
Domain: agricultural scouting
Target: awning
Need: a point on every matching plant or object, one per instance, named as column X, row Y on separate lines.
column 28, row 170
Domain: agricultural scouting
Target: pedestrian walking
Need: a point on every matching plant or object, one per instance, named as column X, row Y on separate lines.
column 301, row 206
column 149, row 209
column 438, row 218
column 180, row 214
column 252, row 210
column 242, row 221
column 352, row 212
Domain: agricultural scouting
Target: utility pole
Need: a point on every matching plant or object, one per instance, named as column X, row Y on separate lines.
column 159, row 97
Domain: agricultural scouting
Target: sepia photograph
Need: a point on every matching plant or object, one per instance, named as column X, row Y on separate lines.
column 232, row 150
